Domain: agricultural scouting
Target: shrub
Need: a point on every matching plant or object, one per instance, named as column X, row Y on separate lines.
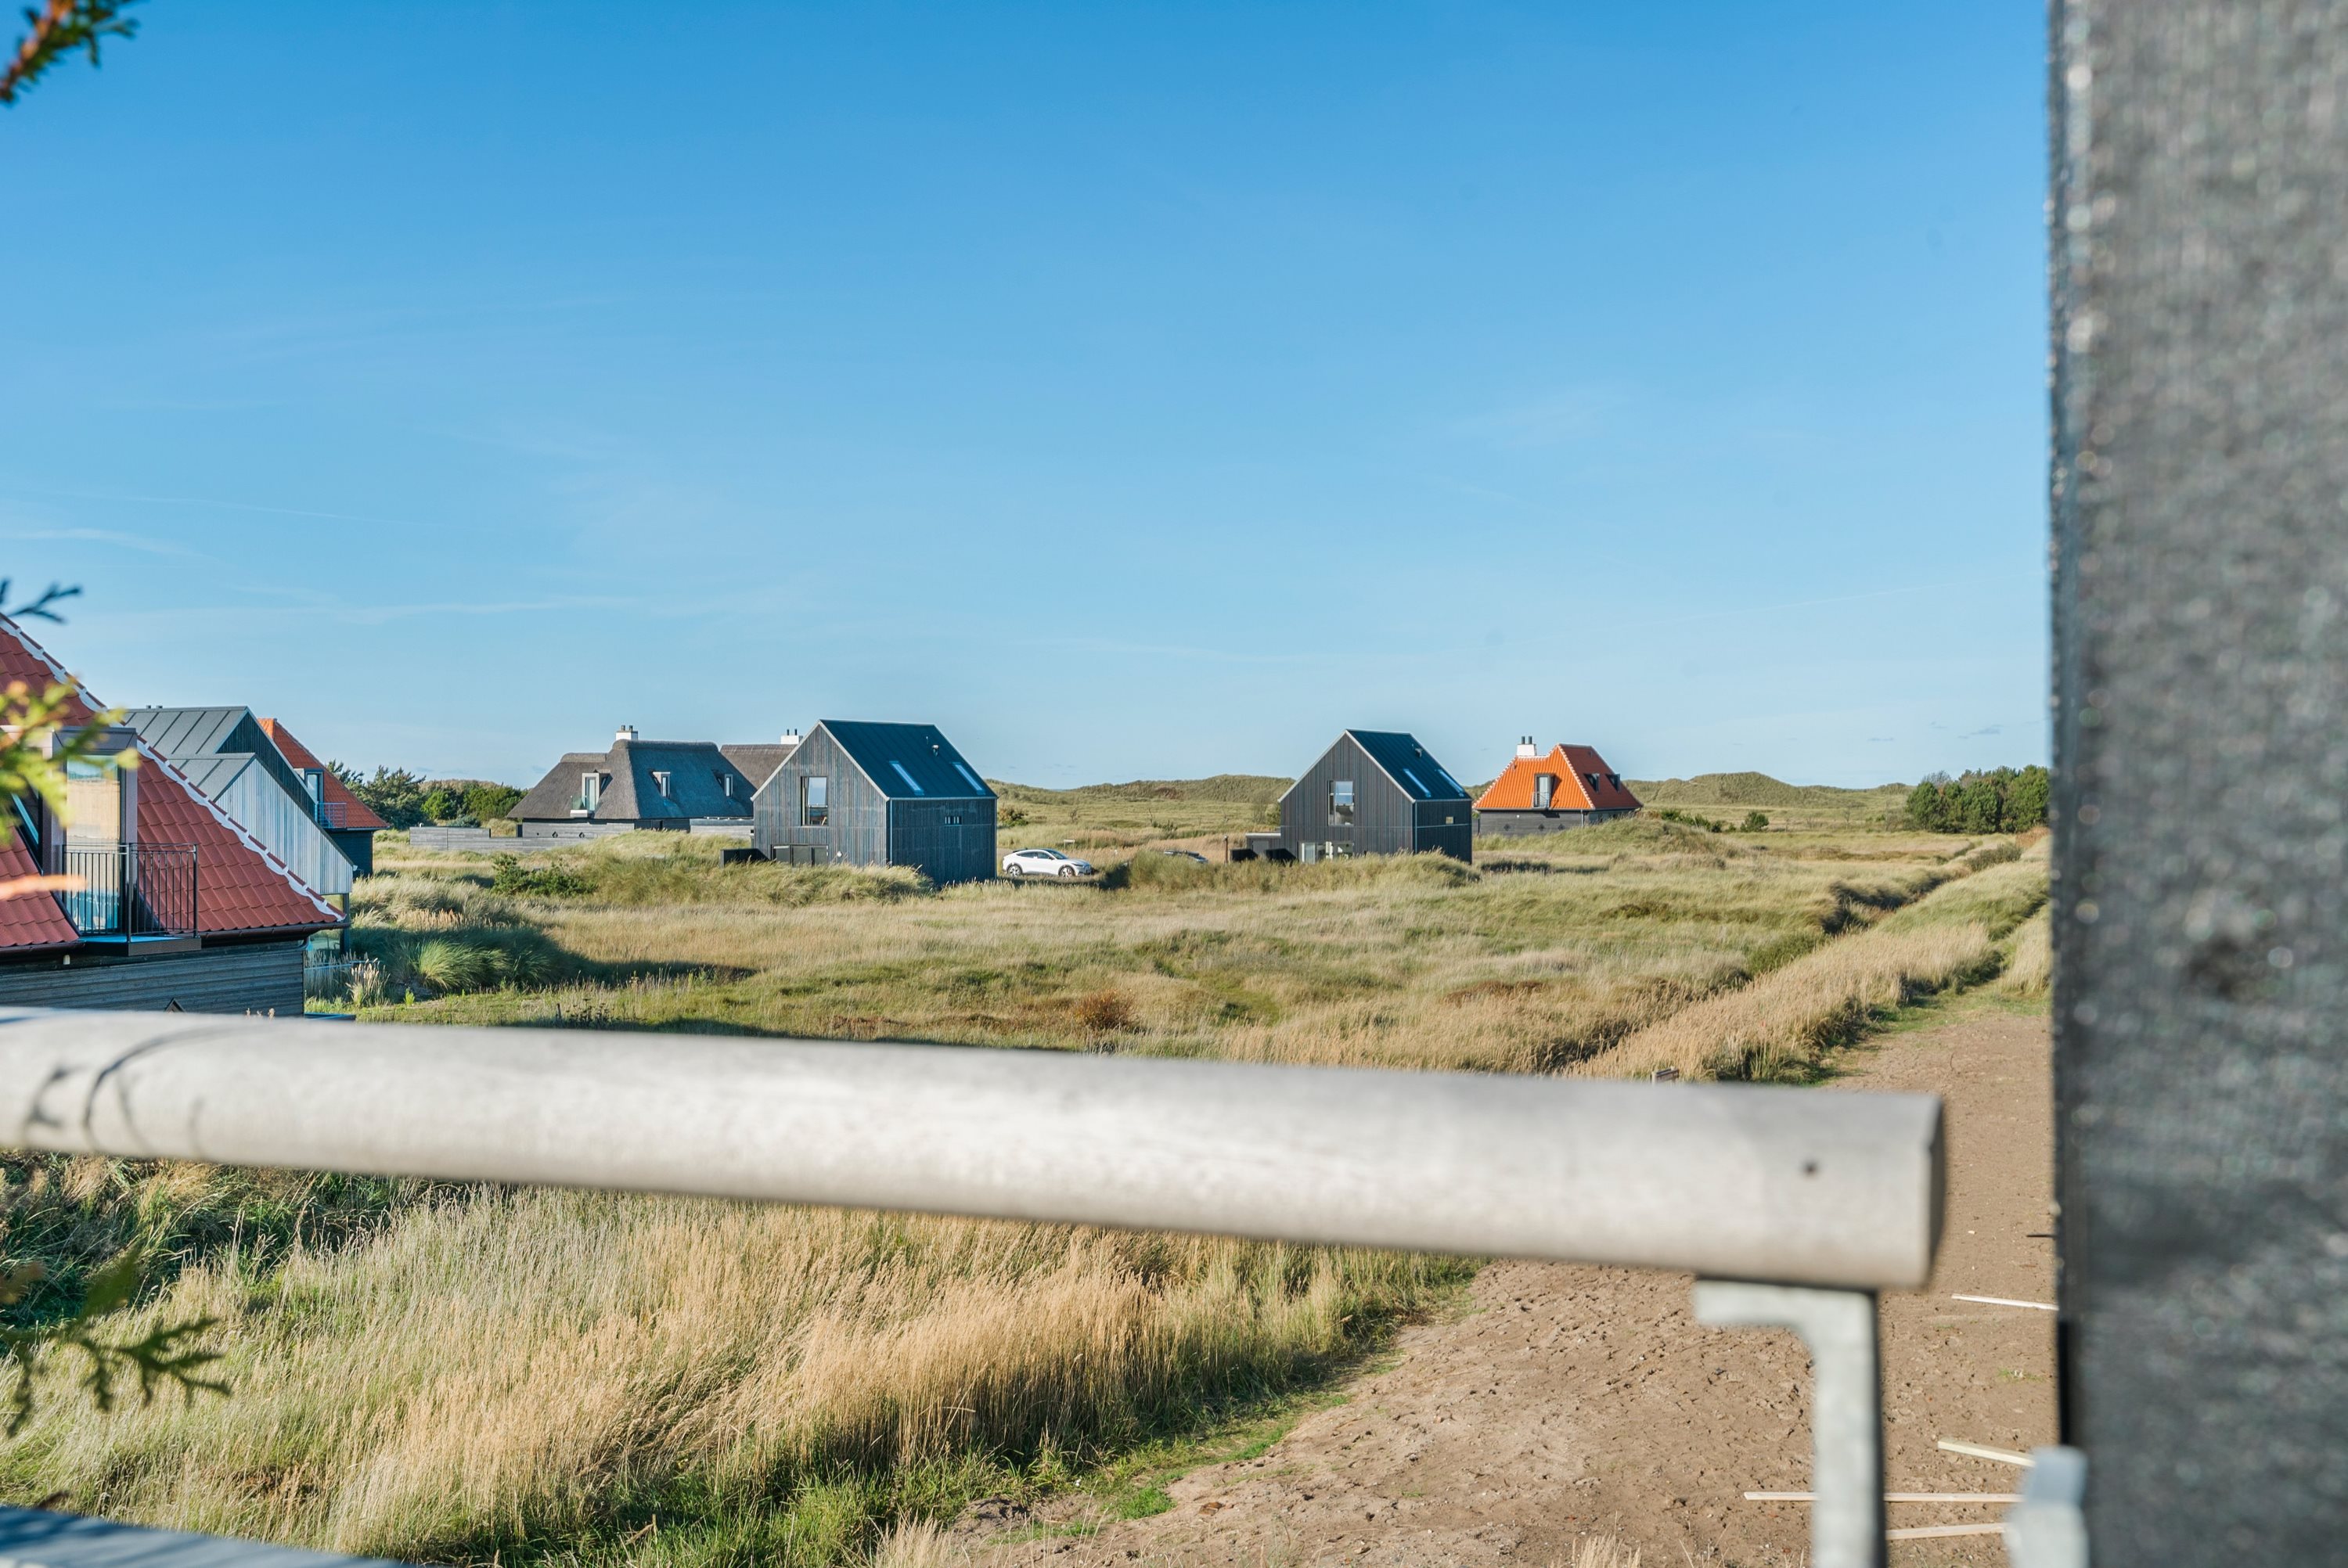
column 1103, row 1012
column 1757, row 821
column 1689, row 819
column 536, row 881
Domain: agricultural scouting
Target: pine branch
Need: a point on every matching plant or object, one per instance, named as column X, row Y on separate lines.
column 56, row 30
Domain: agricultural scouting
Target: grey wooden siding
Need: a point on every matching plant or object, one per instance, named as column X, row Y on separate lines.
column 867, row 828
column 1386, row 819
column 945, row 840
column 856, row 833
column 245, row 977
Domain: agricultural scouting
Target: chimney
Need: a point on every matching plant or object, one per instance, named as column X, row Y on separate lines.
column 1525, row 748
column 790, row 737
column 624, row 732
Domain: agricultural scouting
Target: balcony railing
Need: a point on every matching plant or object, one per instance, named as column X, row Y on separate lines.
column 132, row 889
column 332, row 813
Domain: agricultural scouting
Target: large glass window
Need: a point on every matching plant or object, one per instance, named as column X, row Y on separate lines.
column 1544, row 790
column 814, row 800
column 1341, row 800
column 590, row 790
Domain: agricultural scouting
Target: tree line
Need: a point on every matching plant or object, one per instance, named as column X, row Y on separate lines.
column 2003, row 800
column 405, row 799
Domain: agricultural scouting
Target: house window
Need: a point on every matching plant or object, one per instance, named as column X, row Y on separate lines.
column 660, row 783
column 1544, row 790
column 590, row 790
column 726, row 782
column 971, row 779
column 1341, row 802
column 814, row 800
column 909, row 781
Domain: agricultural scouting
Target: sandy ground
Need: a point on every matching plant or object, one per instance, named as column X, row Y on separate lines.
column 1571, row 1402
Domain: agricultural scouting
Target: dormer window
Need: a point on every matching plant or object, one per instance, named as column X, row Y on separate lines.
column 1544, row 791
column 726, row 782
column 660, row 783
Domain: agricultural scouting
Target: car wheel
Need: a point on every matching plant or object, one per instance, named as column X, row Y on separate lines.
column 1012, row 870
column 1067, row 871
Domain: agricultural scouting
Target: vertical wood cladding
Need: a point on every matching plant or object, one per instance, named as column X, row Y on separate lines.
column 1386, row 818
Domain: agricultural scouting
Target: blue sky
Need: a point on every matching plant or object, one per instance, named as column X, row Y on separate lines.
column 1133, row 389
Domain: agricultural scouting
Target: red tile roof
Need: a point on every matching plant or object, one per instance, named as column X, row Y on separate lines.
column 354, row 813
column 239, row 885
column 1585, row 783
column 30, row 922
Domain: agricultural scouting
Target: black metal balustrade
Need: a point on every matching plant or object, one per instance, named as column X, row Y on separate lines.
column 131, row 890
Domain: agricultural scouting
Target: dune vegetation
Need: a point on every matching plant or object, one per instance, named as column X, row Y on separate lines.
column 450, row 1373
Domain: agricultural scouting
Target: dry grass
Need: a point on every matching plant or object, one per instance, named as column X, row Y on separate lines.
column 580, row 1379
column 1603, row 1552
column 2031, row 969
column 1781, row 1025
column 518, row 1371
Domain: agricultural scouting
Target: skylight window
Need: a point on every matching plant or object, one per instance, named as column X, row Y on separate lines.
column 1417, row 783
column 1447, row 778
column 971, row 779
column 910, row 784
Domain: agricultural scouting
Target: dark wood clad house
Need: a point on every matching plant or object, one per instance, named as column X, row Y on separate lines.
column 670, row 785
column 1568, row 787
column 856, row 794
column 1376, row 792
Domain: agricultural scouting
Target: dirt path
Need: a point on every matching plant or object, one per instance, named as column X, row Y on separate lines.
column 1570, row 1402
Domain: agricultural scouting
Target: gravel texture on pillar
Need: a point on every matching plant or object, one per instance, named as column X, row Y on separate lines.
column 2200, row 241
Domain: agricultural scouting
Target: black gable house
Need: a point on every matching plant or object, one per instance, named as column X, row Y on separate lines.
column 1376, row 792
column 856, row 794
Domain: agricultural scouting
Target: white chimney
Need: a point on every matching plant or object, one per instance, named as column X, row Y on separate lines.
column 1525, row 748
column 790, row 737
column 625, row 732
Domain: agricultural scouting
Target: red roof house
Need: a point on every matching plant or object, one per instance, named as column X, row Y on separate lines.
column 178, row 880
column 1544, row 792
column 347, row 819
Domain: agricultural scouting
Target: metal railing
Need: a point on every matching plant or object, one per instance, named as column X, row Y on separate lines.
column 332, row 813
column 131, row 890
column 1828, row 1198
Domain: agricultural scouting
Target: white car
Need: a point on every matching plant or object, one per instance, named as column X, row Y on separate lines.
column 1044, row 863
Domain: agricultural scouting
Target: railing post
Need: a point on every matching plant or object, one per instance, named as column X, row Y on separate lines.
column 1845, row 1404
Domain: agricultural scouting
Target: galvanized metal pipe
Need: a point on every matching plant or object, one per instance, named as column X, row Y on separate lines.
column 1838, row 1327
column 1744, row 1181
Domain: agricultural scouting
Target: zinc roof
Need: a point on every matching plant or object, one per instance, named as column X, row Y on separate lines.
column 1400, row 756
column 908, row 761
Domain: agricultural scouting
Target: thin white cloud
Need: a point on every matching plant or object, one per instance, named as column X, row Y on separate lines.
column 120, row 540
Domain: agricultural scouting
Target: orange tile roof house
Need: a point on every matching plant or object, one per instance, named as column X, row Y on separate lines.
column 181, row 908
column 1566, row 786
